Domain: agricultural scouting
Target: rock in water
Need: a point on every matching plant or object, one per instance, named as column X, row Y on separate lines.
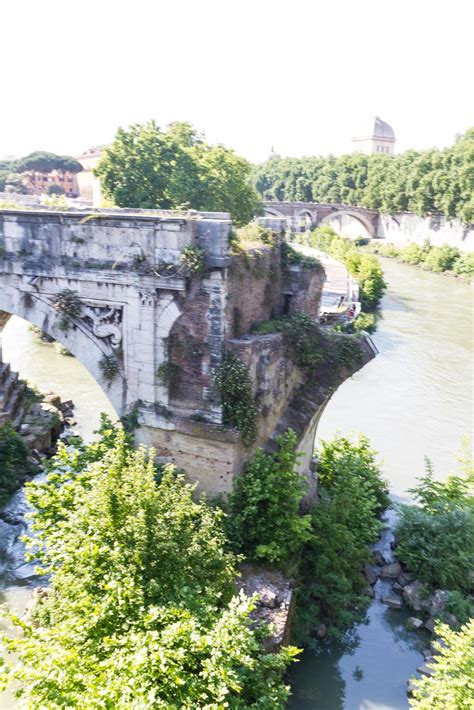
column 391, row 571
column 414, row 623
column 392, row 602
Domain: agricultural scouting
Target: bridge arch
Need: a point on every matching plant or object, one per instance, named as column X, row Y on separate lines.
column 36, row 309
column 306, row 219
column 272, row 212
column 338, row 214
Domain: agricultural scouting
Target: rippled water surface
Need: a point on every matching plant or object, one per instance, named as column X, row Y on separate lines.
column 414, row 399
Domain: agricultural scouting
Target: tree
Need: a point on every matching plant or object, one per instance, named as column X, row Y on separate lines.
column 147, row 167
column 429, row 182
column 141, row 610
column 451, row 685
column 44, row 162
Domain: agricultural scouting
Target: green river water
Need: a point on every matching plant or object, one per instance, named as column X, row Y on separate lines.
column 414, row 399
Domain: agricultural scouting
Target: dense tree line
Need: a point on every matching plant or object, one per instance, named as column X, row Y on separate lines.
column 147, row 167
column 429, row 182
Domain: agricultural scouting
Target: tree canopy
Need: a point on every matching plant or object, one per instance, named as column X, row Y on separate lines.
column 147, row 167
column 141, row 611
column 429, row 182
column 44, row 162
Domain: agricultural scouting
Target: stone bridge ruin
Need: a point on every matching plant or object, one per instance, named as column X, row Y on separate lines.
column 149, row 301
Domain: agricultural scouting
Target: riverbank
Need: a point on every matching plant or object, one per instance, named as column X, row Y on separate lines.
column 444, row 260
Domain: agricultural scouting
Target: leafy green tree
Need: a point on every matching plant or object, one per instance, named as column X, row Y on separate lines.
column 265, row 521
column 451, row 684
column 344, row 523
column 436, row 538
column 45, row 162
column 146, row 167
column 429, row 182
column 141, row 610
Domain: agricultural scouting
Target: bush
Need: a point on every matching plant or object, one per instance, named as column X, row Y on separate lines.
column 438, row 547
column 140, row 610
column 441, row 258
column 364, row 267
column 265, row 523
column 365, row 321
column 413, row 254
column 436, row 538
column 14, row 464
column 344, row 523
column 464, row 266
column 451, row 685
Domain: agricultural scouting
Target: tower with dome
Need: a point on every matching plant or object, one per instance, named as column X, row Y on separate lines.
column 375, row 136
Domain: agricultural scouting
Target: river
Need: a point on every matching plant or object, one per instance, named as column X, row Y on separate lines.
column 414, row 399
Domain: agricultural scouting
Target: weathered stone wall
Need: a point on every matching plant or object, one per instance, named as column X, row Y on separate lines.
column 407, row 228
column 273, row 375
column 254, row 288
column 301, row 290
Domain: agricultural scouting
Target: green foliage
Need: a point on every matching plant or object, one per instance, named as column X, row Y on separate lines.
column 232, row 380
column 441, row 258
column 56, row 202
column 146, row 167
column 140, row 612
column 344, row 523
column 437, row 259
column 429, row 182
column 364, row 267
column 14, row 464
column 436, row 538
column 68, row 303
column 460, row 606
column 310, row 347
column 45, row 162
column 364, row 322
column 464, row 266
column 291, row 256
column 414, row 253
column 109, row 367
column 55, row 189
column 303, row 336
column 451, row 686
column 192, row 257
column 265, row 522
column 252, row 235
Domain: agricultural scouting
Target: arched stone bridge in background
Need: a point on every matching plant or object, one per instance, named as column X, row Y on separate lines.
column 346, row 219
column 151, row 331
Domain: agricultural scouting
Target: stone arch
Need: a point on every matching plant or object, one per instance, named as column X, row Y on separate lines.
column 36, row 309
column 364, row 221
column 307, row 216
column 272, row 212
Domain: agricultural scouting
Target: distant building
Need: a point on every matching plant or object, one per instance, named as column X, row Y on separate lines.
column 375, row 137
column 89, row 185
column 37, row 183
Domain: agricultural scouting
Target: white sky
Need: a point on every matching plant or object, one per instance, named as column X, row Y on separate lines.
column 298, row 75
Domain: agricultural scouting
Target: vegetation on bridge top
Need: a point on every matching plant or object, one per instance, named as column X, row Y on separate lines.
column 148, row 167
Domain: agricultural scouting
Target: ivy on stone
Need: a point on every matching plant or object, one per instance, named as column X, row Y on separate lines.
column 68, row 303
column 232, row 380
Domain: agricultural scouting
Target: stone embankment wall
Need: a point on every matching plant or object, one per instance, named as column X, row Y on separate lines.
column 407, row 228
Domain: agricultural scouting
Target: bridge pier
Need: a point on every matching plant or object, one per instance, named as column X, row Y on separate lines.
column 116, row 289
